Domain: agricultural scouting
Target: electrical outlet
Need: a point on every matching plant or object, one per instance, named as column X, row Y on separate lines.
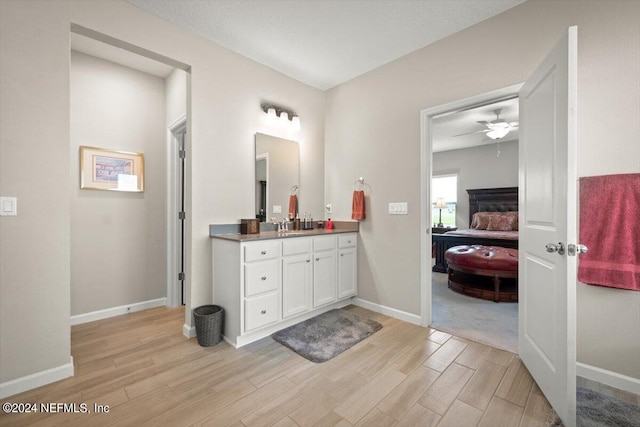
column 329, row 208
column 277, row 209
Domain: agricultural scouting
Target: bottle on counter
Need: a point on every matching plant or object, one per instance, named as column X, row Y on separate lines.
column 329, row 224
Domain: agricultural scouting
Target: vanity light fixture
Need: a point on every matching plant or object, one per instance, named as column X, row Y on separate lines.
column 281, row 115
column 295, row 122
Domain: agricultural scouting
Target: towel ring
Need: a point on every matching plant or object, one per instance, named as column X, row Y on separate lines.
column 293, row 190
column 361, row 182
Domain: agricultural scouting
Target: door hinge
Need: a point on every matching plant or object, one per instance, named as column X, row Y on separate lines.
column 180, row 276
column 182, row 215
column 182, row 154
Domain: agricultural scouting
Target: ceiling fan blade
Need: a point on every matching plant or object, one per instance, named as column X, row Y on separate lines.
column 469, row 133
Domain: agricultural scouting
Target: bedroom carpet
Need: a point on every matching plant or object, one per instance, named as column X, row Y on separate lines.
column 325, row 336
column 487, row 322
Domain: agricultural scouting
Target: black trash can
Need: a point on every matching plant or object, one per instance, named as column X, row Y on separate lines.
column 209, row 320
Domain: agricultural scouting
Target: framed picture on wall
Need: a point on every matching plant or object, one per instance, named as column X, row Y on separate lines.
column 103, row 169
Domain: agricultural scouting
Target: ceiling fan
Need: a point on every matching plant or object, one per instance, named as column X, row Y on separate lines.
column 496, row 129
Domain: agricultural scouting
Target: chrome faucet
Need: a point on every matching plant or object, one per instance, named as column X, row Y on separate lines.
column 284, row 226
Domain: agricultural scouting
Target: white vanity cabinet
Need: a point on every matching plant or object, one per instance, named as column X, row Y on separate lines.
column 347, row 265
column 296, row 276
column 267, row 285
column 324, row 270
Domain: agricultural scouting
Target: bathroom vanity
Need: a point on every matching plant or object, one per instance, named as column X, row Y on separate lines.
column 268, row 281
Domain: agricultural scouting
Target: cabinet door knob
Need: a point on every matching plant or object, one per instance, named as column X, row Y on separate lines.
column 263, row 312
column 263, row 278
column 263, row 252
column 317, row 259
column 341, row 254
column 308, row 260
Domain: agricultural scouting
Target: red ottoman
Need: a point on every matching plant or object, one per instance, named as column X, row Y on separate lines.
column 492, row 261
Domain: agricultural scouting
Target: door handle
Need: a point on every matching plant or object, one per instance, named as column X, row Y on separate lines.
column 578, row 249
column 552, row 247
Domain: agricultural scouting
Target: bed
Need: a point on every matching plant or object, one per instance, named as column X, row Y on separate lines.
column 484, row 200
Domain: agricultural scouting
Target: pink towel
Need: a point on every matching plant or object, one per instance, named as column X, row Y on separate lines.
column 293, row 206
column 357, row 206
column 610, row 228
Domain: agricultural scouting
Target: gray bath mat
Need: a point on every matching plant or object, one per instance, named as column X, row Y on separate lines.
column 598, row 410
column 327, row 335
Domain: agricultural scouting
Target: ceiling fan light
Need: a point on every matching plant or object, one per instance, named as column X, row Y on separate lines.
column 498, row 133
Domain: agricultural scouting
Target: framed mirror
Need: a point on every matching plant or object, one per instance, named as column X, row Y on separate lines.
column 277, row 175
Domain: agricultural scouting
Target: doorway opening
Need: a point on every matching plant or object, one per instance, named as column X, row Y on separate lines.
column 109, row 114
column 475, row 161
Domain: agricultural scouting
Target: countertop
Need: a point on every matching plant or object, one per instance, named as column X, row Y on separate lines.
column 267, row 235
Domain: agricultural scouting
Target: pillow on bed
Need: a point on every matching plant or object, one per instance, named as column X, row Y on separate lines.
column 501, row 222
column 515, row 216
column 480, row 220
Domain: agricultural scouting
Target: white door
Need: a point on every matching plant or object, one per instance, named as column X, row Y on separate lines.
column 547, row 274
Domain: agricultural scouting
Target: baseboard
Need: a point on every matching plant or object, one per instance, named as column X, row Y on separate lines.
column 28, row 382
column 612, row 379
column 388, row 311
column 188, row 331
column 117, row 311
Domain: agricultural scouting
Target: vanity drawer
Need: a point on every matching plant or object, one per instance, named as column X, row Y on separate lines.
column 324, row 243
column 260, row 311
column 261, row 277
column 295, row 246
column 347, row 241
column 261, row 250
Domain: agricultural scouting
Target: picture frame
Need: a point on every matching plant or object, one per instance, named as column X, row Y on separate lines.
column 111, row 170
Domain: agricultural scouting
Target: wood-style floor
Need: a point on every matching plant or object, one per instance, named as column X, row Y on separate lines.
column 148, row 373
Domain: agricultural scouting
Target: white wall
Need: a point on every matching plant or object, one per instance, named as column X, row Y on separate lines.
column 118, row 239
column 380, row 141
column 34, row 167
column 478, row 167
column 226, row 92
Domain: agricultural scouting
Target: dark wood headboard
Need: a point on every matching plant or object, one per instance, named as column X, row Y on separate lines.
column 492, row 200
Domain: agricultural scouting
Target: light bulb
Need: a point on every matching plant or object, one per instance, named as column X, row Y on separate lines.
column 271, row 113
column 295, row 123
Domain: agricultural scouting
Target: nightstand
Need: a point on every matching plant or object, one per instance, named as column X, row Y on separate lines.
column 442, row 230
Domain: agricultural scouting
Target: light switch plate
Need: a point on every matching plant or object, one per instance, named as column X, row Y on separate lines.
column 8, row 206
column 398, row 208
column 329, row 208
column 277, row 209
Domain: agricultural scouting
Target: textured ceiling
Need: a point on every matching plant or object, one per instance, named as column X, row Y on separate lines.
column 324, row 43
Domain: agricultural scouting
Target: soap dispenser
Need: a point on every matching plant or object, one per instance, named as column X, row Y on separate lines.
column 329, row 225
